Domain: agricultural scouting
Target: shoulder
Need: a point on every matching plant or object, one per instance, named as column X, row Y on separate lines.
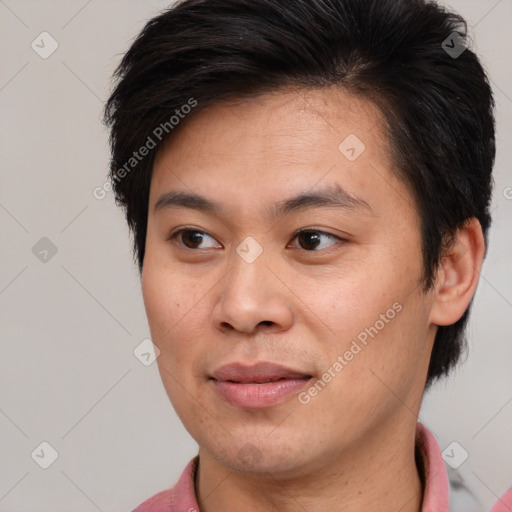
column 504, row 504
column 179, row 498
column 160, row 502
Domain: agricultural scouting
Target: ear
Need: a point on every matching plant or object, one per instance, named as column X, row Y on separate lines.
column 458, row 274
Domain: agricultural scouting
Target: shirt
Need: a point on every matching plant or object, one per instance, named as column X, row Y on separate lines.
column 433, row 473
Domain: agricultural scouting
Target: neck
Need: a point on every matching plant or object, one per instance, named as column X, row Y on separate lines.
column 381, row 470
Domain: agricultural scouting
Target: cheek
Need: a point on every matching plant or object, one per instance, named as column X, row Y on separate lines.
column 383, row 358
column 169, row 297
column 161, row 301
column 173, row 315
column 344, row 305
column 374, row 320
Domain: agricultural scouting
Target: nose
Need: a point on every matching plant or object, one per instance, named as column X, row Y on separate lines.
column 253, row 297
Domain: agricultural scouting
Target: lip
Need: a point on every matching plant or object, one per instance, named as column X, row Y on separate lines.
column 257, row 386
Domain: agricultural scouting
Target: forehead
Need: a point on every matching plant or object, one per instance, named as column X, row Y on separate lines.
column 276, row 145
column 287, row 121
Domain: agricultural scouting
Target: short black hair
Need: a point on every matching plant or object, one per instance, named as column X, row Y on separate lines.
column 411, row 58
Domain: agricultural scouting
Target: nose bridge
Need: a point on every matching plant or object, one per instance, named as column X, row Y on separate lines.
column 251, row 295
column 249, row 250
column 249, row 260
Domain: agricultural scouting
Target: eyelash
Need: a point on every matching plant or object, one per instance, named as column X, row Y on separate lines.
column 175, row 235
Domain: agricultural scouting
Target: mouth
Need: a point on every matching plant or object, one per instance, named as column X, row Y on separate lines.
column 258, row 386
column 261, row 381
column 257, row 373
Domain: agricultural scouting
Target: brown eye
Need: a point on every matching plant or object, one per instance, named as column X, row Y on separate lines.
column 311, row 240
column 191, row 238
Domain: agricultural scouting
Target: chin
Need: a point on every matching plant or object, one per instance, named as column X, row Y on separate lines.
column 263, row 457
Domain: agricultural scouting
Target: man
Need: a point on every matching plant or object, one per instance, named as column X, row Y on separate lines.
column 308, row 184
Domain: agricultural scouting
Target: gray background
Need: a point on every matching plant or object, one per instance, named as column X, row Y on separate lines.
column 68, row 375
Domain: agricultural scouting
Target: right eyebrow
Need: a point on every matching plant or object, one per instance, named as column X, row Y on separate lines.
column 187, row 200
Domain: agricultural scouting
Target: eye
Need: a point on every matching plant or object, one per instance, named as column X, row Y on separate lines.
column 191, row 238
column 311, row 239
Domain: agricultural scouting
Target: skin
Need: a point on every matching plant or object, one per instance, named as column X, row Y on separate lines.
column 300, row 303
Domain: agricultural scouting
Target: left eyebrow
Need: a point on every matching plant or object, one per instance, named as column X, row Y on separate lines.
column 332, row 196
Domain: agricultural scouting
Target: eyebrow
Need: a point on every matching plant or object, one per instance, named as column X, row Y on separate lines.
column 331, row 196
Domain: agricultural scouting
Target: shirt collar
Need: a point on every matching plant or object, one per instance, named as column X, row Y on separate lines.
column 432, row 471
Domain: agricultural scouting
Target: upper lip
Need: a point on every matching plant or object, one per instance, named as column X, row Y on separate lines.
column 259, row 372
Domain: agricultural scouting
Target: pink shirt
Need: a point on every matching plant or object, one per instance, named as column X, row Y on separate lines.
column 181, row 497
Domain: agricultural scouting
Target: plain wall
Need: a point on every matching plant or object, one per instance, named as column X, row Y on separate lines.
column 68, row 375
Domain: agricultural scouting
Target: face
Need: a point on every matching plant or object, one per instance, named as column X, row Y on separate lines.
column 302, row 251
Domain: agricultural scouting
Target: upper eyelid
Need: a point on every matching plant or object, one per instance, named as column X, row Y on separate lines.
column 192, row 229
column 315, row 230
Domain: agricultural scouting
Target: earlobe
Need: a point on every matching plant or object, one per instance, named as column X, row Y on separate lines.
column 458, row 274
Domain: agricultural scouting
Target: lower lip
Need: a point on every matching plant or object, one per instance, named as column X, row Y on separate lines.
column 258, row 396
